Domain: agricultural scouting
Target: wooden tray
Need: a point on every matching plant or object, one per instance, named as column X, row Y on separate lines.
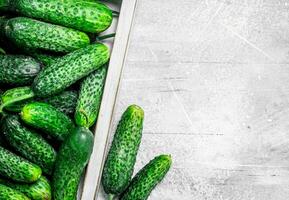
column 92, row 178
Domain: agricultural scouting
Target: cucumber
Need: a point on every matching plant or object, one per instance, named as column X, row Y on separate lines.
column 17, row 168
column 39, row 190
column 86, row 16
column 64, row 102
column 2, row 51
column 121, row 157
column 147, row 178
column 72, row 158
column 7, row 193
column 34, row 34
column 29, row 144
column 18, row 70
column 48, row 119
column 15, row 95
column 72, row 67
column 45, row 59
column 4, row 5
column 90, row 96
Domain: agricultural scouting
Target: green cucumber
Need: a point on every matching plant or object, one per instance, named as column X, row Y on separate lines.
column 72, row 67
column 89, row 99
column 86, row 16
column 45, row 59
column 7, row 193
column 48, row 119
column 18, row 70
column 72, row 158
column 15, row 95
column 64, row 102
column 39, row 190
column 17, row 168
column 34, row 34
column 147, row 178
column 29, row 144
column 121, row 158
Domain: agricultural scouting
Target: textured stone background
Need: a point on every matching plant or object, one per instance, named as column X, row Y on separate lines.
column 213, row 79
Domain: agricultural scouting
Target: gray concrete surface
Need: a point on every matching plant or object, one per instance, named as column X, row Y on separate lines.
column 213, row 79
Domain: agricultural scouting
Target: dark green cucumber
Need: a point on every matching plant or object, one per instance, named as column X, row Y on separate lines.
column 81, row 15
column 17, row 168
column 39, row 190
column 147, row 178
column 121, row 158
column 15, row 95
column 72, row 158
column 89, row 99
column 72, row 67
column 64, row 102
column 7, row 193
column 29, row 144
column 18, row 70
column 48, row 119
column 30, row 33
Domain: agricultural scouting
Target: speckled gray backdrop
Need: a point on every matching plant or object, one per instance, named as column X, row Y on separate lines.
column 213, row 79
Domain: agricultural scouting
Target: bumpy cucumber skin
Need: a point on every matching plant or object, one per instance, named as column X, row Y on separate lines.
column 17, row 168
column 48, row 119
column 89, row 99
column 18, row 70
column 39, row 190
column 121, row 158
column 72, row 158
column 15, row 95
column 30, row 33
column 45, row 59
column 81, row 15
column 69, row 69
column 147, row 179
column 29, row 144
column 64, row 102
column 7, row 193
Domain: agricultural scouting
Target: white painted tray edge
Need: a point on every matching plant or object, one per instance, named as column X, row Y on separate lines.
column 94, row 170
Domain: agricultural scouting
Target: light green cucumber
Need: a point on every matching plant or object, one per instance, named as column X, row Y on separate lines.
column 89, row 99
column 17, row 168
column 29, row 144
column 48, row 119
column 7, row 193
column 121, row 158
column 71, row 68
column 147, row 178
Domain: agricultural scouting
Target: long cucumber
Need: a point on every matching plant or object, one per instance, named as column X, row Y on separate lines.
column 121, row 158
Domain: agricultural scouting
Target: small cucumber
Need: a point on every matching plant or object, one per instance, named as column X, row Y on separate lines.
column 89, row 99
column 86, row 16
column 18, row 70
column 15, row 95
column 29, row 144
column 7, row 193
column 34, row 34
column 39, row 190
column 147, row 178
column 121, row 157
column 48, row 119
column 72, row 67
column 17, row 168
column 72, row 158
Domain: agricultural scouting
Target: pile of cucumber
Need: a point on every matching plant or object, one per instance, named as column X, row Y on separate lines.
column 53, row 68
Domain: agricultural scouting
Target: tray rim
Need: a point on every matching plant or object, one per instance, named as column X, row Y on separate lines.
column 102, row 130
